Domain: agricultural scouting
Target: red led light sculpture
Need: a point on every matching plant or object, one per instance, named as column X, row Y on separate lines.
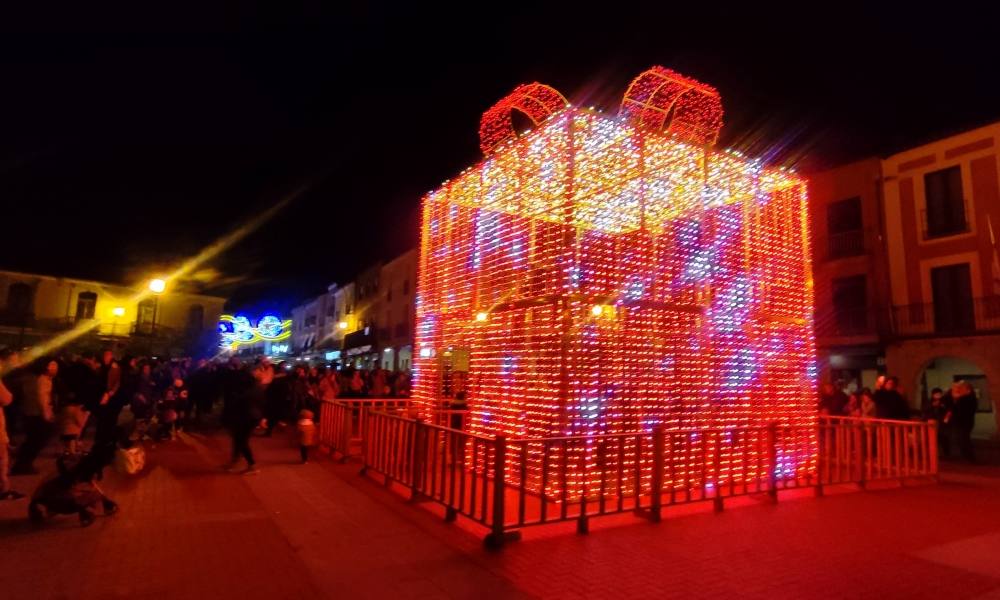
column 606, row 274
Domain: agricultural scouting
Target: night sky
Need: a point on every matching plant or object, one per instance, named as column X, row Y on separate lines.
column 128, row 142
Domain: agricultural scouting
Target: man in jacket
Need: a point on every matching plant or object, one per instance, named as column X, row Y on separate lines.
column 963, row 418
column 6, row 397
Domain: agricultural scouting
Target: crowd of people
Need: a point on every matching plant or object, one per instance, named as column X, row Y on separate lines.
column 132, row 400
column 953, row 410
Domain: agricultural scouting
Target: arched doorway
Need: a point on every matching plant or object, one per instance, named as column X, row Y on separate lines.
column 941, row 372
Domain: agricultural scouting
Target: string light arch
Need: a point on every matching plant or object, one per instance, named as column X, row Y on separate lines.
column 536, row 101
column 660, row 99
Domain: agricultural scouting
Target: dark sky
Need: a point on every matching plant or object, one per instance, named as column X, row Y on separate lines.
column 128, row 141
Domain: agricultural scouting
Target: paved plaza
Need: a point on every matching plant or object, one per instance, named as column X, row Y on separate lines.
column 186, row 529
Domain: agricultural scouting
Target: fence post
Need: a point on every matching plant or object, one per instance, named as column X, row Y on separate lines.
column 656, row 481
column 717, row 501
column 863, row 451
column 362, row 415
column 417, row 457
column 824, row 454
column 496, row 538
column 932, row 449
column 772, row 461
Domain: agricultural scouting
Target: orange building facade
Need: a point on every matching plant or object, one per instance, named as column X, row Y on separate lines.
column 907, row 272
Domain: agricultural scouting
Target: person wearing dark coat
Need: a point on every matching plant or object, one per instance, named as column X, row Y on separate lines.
column 890, row 403
column 963, row 418
column 241, row 413
column 940, row 411
column 832, row 401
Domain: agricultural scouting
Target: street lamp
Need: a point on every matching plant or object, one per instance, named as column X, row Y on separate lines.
column 157, row 286
column 342, row 324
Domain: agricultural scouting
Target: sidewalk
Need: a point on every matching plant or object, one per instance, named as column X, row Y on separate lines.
column 188, row 530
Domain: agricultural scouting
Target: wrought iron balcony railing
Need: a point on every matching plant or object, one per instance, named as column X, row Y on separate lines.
column 962, row 317
column 845, row 244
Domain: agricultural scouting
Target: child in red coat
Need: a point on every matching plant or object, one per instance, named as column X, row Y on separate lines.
column 307, row 433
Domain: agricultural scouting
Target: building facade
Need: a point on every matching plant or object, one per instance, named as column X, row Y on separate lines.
column 849, row 273
column 942, row 205
column 929, row 276
column 35, row 307
column 397, row 283
column 364, row 323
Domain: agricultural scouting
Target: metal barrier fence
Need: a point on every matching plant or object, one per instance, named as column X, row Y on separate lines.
column 341, row 424
column 508, row 484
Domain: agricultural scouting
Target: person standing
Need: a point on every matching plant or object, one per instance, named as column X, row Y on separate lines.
column 832, row 401
column 107, row 410
column 939, row 410
column 328, row 387
column 6, row 397
column 963, row 417
column 891, row 404
column 39, row 417
column 277, row 397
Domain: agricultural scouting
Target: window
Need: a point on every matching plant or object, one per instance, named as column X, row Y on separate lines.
column 850, row 305
column 20, row 298
column 845, row 228
column 196, row 318
column 86, row 304
column 145, row 313
column 945, row 211
column 951, row 287
column 406, row 287
column 310, row 320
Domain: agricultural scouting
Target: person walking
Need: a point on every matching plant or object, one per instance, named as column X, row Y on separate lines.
column 241, row 414
column 307, row 433
column 6, row 398
column 39, row 418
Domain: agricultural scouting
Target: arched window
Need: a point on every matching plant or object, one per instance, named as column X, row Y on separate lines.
column 86, row 304
column 20, row 300
column 196, row 317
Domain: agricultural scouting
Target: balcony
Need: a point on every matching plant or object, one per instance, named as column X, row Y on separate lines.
column 845, row 322
column 979, row 315
column 844, row 244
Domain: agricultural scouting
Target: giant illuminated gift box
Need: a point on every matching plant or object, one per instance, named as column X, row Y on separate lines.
column 613, row 273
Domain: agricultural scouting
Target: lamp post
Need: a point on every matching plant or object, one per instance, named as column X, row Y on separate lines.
column 156, row 286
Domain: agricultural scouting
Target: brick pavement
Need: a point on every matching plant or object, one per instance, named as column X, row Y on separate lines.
column 188, row 530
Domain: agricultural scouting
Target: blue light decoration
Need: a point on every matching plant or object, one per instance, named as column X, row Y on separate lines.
column 238, row 330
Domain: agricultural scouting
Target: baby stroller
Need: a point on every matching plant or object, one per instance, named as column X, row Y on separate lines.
column 73, row 490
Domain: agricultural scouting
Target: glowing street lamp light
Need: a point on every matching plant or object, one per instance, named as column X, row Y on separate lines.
column 118, row 311
column 156, row 286
column 342, row 324
column 482, row 316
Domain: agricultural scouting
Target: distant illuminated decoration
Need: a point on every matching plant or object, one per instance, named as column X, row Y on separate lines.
column 605, row 274
column 236, row 331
